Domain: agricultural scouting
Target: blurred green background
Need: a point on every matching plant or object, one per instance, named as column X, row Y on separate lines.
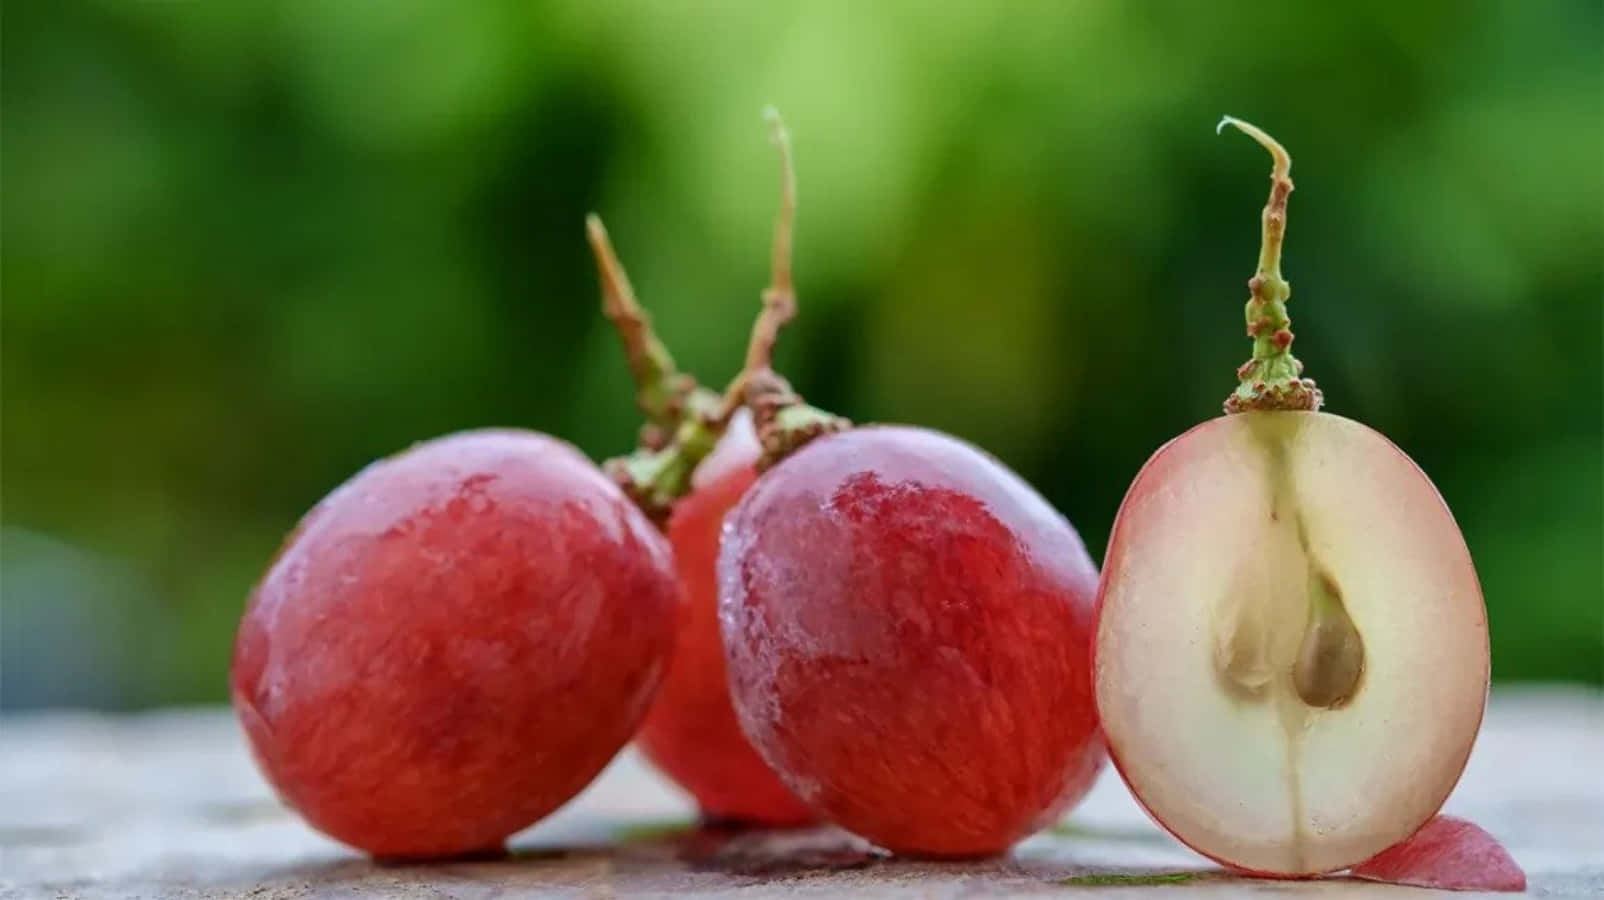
column 250, row 246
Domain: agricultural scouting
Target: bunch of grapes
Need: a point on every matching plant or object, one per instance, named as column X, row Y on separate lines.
column 883, row 627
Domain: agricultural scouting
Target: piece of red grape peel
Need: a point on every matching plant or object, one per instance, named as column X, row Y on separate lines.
column 1448, row 853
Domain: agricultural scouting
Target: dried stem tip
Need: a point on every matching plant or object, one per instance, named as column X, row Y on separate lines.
column 661, row 391
column 1272, row 379
column 783, row 420
column 779, row 298
column 682, row 426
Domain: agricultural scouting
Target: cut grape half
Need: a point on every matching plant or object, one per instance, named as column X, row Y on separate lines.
column 1291, row 653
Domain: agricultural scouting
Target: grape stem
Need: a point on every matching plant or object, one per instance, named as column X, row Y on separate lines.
column 685, row 421
column 661, row 392
column 681, row 428
column 1272, row 379
column 779, row 298
column 784, row 422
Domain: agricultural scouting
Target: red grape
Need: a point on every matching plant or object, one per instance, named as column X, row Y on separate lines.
column 691, row 732
column 907, row 624
column 453, row 643
column 693, row 465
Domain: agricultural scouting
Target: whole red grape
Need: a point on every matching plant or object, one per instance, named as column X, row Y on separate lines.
column 908, row 625
column 691, row 732
column 694, row 463
column 454, row 643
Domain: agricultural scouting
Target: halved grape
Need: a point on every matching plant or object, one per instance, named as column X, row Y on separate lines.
column 1291, row 656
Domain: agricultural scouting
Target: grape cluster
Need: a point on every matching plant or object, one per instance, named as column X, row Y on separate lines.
column 883, row 627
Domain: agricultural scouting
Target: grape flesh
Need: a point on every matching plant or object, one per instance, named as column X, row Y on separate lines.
column 1291, row 656
column 691, row 733
column 908, row 626
column 453, row 643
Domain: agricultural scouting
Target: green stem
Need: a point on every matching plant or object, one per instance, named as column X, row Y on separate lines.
column 683, row 420
column 1272, row 379
column 654, row 478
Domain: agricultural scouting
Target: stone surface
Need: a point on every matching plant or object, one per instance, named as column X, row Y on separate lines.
column 167, row 804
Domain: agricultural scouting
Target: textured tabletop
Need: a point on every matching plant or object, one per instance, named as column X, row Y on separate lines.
column 168, row 804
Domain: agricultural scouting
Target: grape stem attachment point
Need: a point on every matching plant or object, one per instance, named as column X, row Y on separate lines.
column 681, row 427
column 1272, row 379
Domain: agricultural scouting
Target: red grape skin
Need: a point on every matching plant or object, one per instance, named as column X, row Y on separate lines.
column 908, row 625
column 453, row 643
column 1447, row 853
column 691, row 732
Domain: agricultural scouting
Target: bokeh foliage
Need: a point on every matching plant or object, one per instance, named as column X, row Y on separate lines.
column 251, row 245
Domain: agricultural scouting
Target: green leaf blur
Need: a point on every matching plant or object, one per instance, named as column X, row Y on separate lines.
column 250, row 246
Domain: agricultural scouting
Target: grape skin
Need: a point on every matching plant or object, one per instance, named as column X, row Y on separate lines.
column 692, row 734
column 454, row 643
column 908, row 627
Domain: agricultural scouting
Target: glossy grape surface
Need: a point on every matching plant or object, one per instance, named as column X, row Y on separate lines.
column 453, row 643
column 908, row 626
column 691, row 732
